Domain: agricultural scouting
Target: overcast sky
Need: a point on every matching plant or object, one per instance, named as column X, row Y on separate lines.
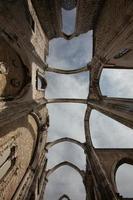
column 66, row 120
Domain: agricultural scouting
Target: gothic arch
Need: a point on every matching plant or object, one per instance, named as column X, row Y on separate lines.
column 87, row 126
column 41, row 127
column 65, row 163
column 64, row 196
column 73, row 71
column 66, row 100
column 65, row 139
column 125, row 160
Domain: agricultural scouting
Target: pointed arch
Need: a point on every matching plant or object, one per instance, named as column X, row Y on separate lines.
column 65, row 139
column 52, row 170
column 64, row 196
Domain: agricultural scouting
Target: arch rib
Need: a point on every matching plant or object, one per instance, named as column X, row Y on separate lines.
column 67, row 100
column 65, row 139
column 74, row 71
column 52, row 170
column 87, row 126
column 64, row 196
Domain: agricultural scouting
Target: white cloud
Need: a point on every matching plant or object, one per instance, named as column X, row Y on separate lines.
column 67, row 152
column 117, row 83
column 124, row 180
column 65, row 181
column 69, row 86
column 70, row 54
column 108, row 133
column 66, row 120
column 67, row 17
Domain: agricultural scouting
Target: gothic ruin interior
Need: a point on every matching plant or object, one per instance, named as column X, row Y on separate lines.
column 26, row 27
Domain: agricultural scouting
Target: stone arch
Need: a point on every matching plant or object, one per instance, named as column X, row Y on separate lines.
column 125, row 160
column 121, row 162
column 64, row 196
column 67, row 72
column 71, row 165
column 87, row 126
column 65, row 139
column 41, row 127
column 50, row 171
column 36, row 117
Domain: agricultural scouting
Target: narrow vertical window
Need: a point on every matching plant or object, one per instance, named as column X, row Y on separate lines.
column 68, row 16
column 68, row 21
column 7, row 160
column 40, row 82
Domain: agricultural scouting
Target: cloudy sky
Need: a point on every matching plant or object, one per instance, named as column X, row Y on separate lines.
column 66, row 120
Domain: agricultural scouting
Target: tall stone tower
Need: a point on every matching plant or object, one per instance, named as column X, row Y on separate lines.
column 26, row 26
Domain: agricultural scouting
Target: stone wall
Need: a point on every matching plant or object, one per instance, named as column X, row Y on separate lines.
column 23, row 112
column 113, row 31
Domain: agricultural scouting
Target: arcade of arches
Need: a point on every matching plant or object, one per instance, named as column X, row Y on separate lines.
column 26, row 29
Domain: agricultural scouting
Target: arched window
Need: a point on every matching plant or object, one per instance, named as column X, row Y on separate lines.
column 124, row 180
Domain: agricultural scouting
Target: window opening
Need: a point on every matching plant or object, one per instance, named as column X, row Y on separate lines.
column 7, row 160
column 41, row 83
column 68, row 21
column 124, row 180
